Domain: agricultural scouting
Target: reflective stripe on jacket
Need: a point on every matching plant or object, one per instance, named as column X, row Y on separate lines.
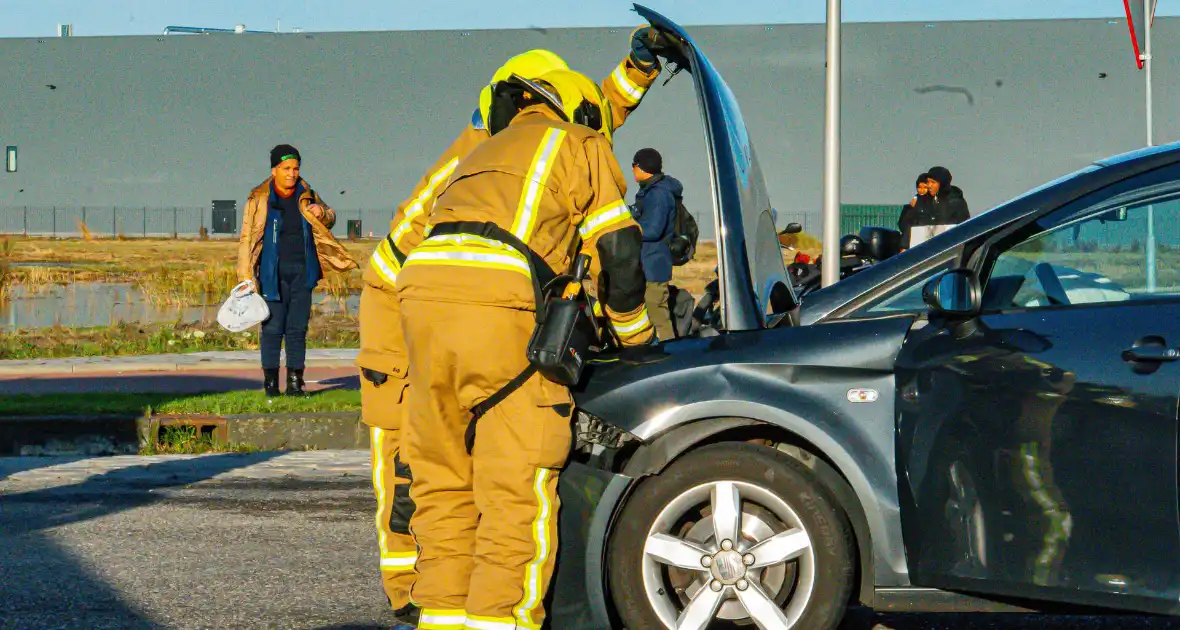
column 541, row 179
column 624, row 88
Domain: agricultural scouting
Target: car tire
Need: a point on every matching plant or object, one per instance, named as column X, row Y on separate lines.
column 779, row 498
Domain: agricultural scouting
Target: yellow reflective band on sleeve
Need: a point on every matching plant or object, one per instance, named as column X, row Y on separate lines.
column 603, row 218
column 534, row 184
column 597, row 308
column 628, row 87
column 496, row 623
column 440, row 619
column 534, row 584
column 465, row 250
column 417, row 208
column 630, row 326
column 398, row 561
column 384, row 262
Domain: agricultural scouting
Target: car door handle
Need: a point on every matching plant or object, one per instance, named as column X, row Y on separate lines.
column 1151, row 354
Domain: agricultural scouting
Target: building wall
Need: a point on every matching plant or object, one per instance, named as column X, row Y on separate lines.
column 183, row 120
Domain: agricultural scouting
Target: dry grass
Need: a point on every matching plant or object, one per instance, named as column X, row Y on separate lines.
column 170, row 272
column 185, row 272
column 6, row 248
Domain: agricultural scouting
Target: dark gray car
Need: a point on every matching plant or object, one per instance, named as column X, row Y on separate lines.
column 988, row 417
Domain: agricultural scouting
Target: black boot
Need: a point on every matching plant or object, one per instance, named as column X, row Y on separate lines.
column 407, row 617
column 270, row 383
column 295, row 382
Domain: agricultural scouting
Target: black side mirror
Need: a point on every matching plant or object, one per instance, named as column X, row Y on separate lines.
column 956, row 293
column 792, row 228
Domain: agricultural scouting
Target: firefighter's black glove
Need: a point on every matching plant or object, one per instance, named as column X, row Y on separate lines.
column 643, row 45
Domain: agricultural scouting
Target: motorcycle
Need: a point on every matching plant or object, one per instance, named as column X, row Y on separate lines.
column 857, row 253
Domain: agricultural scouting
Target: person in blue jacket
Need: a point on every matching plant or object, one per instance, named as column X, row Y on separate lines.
column 655, row 211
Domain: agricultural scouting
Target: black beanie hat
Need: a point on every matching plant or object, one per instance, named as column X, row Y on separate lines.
column 649, row 160
column 283, row 152
column 942, row 176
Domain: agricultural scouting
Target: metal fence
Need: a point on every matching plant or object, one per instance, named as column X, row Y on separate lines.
column 67, row 221
column 853, row 217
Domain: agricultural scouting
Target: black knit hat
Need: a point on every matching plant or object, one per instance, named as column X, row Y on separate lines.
column 941, row 175
column 649, row 160
column 283, row 152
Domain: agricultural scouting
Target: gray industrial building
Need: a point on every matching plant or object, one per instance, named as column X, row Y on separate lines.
column 146, row 123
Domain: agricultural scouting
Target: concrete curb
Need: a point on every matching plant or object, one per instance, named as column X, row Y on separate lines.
column 126, row 434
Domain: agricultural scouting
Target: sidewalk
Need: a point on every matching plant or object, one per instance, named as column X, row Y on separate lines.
column 195, row 373
column 195, row 361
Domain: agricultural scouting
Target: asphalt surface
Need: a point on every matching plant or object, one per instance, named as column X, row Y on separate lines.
column 263, row 540
column 179, row 382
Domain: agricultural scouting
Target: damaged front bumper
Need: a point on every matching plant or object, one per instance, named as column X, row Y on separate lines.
column 591, row 493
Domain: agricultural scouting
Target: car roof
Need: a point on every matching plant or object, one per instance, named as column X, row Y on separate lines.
column 821, row 305
column 1129, row 156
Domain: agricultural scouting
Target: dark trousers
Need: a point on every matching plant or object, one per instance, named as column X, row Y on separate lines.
column 288, row 320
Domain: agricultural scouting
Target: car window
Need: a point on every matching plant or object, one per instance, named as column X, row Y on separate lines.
column 906, row 298
column 1113, row 253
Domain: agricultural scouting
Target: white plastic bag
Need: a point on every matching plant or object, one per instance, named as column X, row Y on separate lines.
column 243, row 309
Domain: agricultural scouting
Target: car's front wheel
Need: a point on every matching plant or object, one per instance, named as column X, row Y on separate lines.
column 729, row 535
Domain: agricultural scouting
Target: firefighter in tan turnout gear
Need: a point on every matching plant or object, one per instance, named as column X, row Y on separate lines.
column 486, row 522
column 382, row 357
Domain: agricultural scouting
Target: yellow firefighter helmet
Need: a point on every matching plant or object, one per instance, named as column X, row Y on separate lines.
column 529, row 65
column 578, row 98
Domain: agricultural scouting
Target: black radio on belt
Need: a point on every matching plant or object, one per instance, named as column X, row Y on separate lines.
column 565, row 330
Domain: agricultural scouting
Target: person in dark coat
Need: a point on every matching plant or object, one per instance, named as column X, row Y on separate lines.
column 655, row 211
column 947, row 201
column 945, row 207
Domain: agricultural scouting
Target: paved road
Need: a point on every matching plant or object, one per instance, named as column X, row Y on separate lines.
column 179, row 382
column 263, row 540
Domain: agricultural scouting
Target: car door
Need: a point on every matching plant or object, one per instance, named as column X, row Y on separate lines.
column 1037, row 441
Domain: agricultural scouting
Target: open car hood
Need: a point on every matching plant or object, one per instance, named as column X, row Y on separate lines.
column 755, row 291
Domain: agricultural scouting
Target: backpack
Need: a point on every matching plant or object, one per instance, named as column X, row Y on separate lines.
column 683, row 241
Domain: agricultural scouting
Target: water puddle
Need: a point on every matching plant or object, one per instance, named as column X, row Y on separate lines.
column 91, row 304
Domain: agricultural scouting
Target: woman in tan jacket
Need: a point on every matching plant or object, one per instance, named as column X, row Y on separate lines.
column 285, row 248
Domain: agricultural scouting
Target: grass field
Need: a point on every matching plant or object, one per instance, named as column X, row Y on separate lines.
column 215, row 404
column 169, row 272
column 190, row 272
column 187, row 272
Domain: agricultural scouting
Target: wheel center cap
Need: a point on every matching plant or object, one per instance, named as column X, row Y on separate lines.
column 728, row 567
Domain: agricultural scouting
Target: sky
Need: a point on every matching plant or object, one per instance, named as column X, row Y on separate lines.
column 39, row 18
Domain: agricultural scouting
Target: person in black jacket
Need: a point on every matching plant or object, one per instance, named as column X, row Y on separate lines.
column 947, row 201
column 946, row 207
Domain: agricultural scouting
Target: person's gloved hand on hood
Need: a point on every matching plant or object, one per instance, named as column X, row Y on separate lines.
column 646, row 43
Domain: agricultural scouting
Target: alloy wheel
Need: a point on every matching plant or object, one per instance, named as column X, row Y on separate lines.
column 729, row 551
